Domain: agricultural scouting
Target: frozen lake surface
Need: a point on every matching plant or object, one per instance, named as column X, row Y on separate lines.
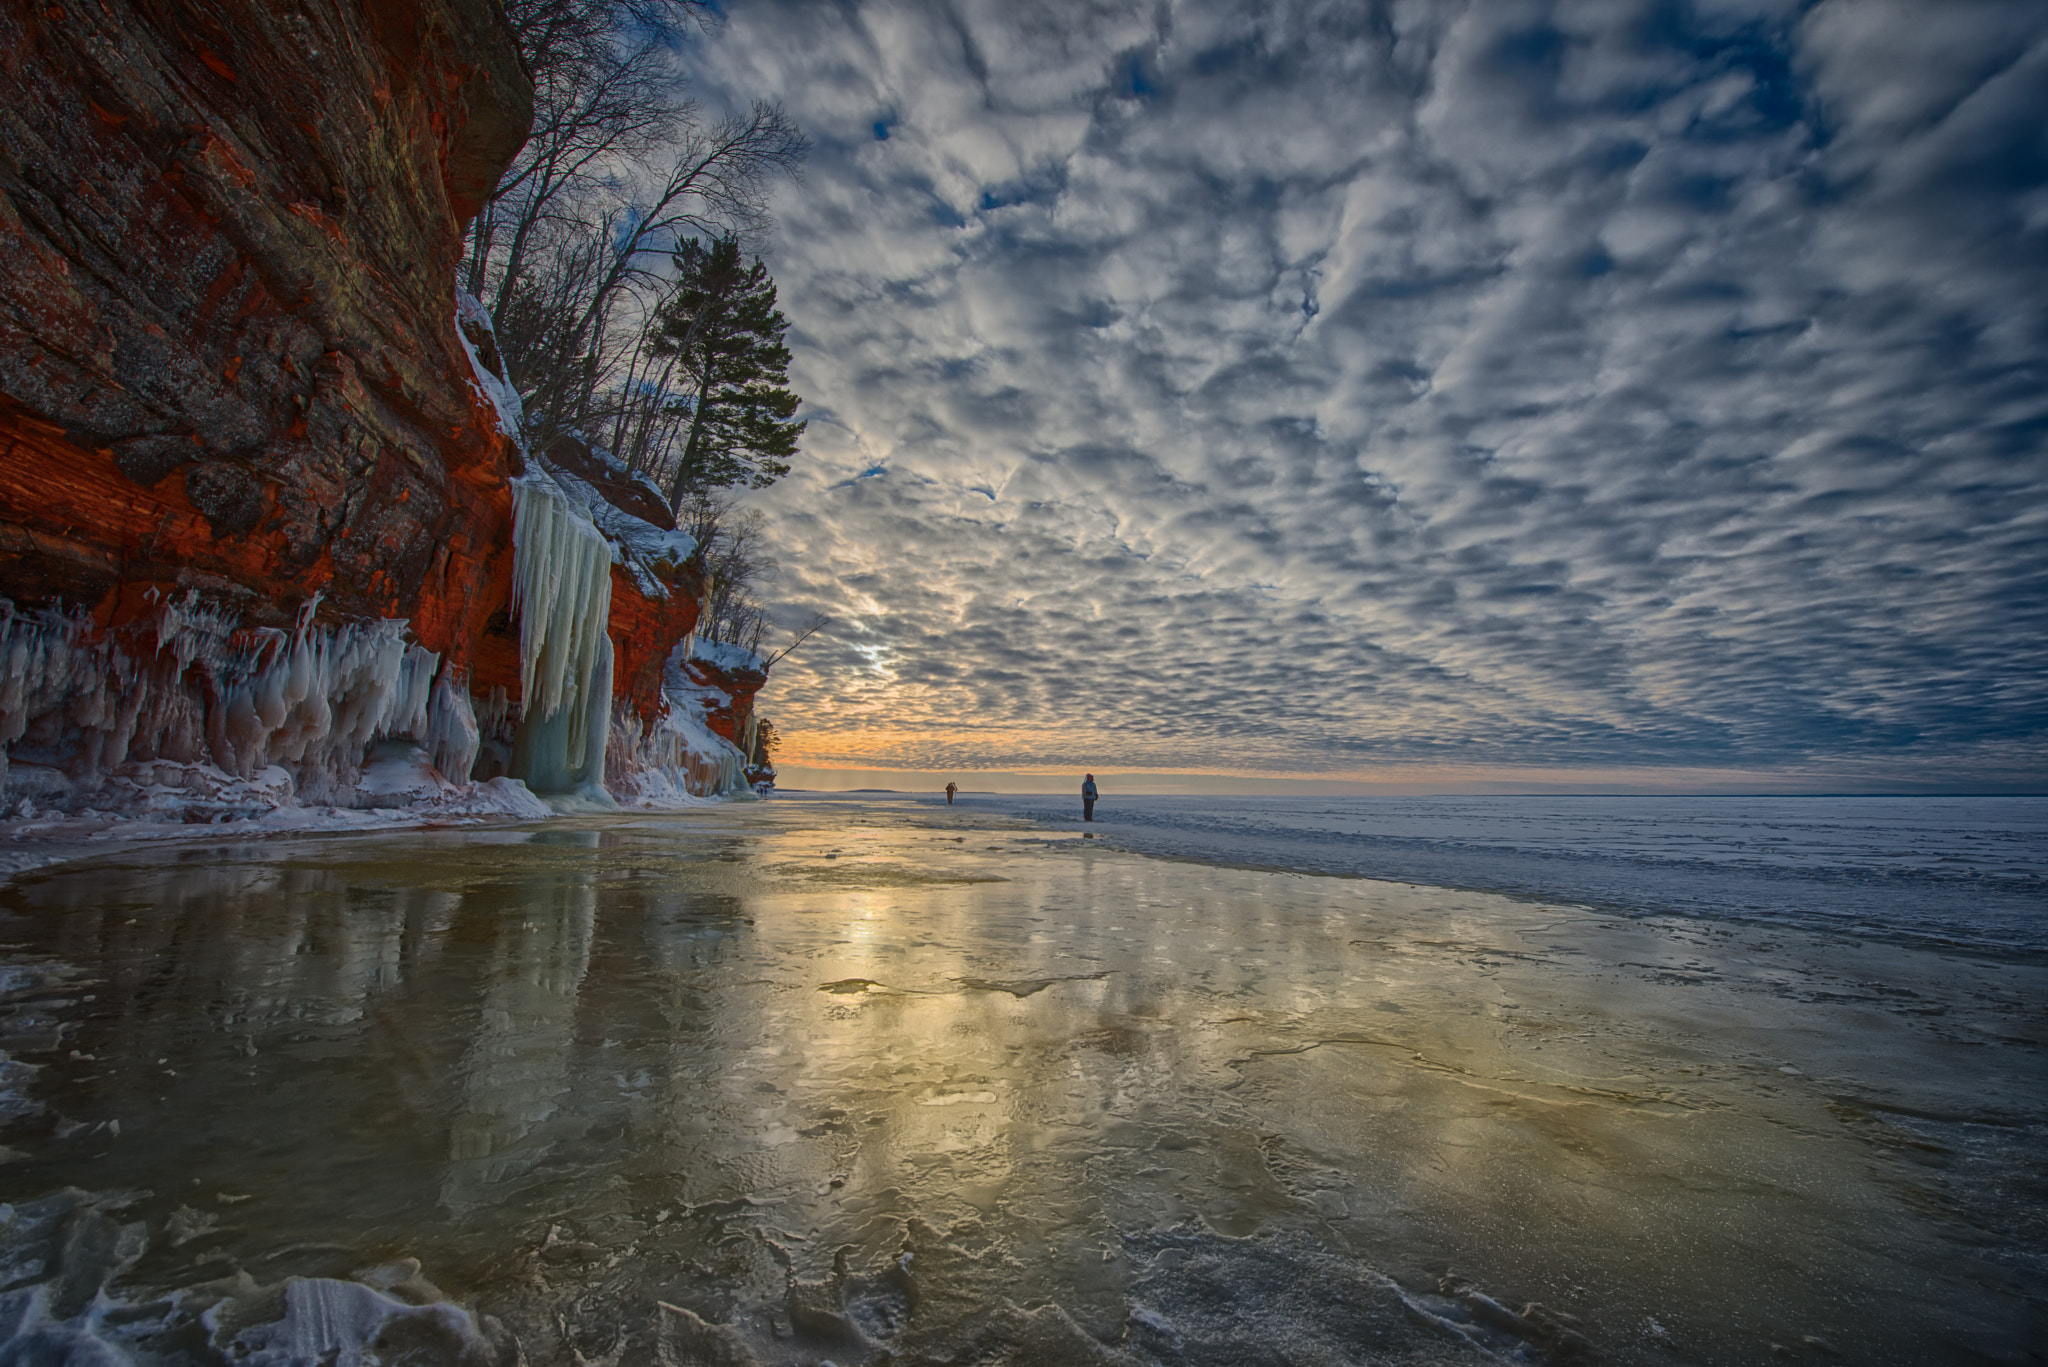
column 877, row 1081
column 1943, row 870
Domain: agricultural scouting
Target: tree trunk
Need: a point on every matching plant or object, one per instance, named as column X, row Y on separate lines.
column 688, row 464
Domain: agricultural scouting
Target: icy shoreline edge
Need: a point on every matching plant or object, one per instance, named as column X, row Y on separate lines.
column 28, row 846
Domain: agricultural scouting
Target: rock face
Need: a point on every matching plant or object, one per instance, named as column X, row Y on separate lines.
column 226, row 345
column 731, row 677
column 231, row 387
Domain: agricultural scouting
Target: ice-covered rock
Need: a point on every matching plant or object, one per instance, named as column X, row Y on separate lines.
column 480, row 343
column 185, row 715
column 675, row 761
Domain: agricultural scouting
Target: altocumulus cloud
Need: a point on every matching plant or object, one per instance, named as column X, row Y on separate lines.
column 1307, row 388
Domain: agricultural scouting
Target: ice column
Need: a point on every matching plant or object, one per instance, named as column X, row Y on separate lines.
column 452, row 739
column 562, row 591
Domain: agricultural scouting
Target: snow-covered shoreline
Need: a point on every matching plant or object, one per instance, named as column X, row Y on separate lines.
column 42, row 842
column 184, row 714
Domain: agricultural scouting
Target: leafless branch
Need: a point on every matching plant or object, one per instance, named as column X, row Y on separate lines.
column 818, row 622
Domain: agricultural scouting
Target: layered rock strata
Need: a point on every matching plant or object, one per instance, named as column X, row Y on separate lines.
column 256, row 506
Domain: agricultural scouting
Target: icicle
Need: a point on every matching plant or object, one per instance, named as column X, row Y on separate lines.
column 406, row 712
column 452, row 739
column 562, row 590
column 597, row 725
column 190, row 630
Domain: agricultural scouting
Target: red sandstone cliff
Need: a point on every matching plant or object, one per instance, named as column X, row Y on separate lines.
column 229, row 370
column 226, row 347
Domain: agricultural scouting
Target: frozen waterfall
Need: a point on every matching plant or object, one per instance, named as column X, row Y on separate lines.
column 562, row 591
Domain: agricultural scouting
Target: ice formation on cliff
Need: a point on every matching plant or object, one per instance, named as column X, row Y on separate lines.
column 350, row 716
column 677, row 758
column 679, row 755
column 562, row 592
column 570, row 740
column 184, row 716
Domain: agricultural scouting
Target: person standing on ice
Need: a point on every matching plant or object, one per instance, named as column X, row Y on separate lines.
column 951, row 788
column 1088, row 796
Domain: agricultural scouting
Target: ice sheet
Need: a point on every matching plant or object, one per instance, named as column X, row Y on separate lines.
column 1970, row 871
column 803, row 1081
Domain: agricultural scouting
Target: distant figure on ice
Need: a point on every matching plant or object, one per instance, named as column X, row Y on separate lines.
column 1088, row 798
column 951, row 788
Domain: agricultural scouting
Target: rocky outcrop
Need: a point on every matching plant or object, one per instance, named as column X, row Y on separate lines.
column 244, row 454
column 226, row 346
column 702, row 738
column 730, row 677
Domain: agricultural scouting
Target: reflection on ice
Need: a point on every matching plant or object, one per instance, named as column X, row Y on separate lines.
column 803, row 1084
column 516, row 1070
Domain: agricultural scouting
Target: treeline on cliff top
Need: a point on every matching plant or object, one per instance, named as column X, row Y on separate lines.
column 613, row 256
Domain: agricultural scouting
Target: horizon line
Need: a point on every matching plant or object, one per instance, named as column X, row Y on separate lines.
column 1041, row 792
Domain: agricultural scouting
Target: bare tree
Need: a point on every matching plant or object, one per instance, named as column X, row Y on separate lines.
column 816, row 623
column 590, row 118
column 621, row 169
column 734, row 566
column 717, row 181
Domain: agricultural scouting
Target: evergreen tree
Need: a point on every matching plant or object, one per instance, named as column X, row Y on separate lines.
column 725, row 333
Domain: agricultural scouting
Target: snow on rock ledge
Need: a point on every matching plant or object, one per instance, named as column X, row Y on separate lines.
column 731, row 660
column 480, row 343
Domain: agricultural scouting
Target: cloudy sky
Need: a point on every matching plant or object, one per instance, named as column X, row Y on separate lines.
column 1414, row 393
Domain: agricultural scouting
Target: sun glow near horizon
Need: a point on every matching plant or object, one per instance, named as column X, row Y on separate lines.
column 1402, row 781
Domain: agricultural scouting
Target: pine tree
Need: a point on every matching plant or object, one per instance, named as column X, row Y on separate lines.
column 722, row 327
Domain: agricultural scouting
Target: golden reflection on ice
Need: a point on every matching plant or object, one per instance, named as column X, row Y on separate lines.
column 703, row 1061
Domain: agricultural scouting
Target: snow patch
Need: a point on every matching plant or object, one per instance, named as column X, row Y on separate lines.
column 503, row 398
column 639, row 547
column 730, row 659
column 396, row 770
